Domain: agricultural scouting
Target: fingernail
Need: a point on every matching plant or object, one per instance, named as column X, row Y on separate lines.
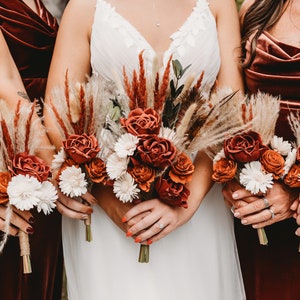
column 30, row 230
column 297, row 232
column 236, row 214
column 138, row 240
column 149, row 242
column 254, row 226
column 128, row 233
column 93, row 200
column 124, row 219
column 31, row 220
column 244, row 221
column 235, row 195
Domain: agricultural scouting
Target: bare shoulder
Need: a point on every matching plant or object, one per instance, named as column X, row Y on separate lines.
column 245, row 6
column 222, row 7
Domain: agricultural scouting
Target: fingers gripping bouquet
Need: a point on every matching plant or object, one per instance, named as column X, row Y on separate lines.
column 257, row 157
column 152, row 128
column 78, row 166
column 24, row 177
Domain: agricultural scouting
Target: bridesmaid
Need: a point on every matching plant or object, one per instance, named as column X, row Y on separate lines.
column 271, row 45
column 27, row 36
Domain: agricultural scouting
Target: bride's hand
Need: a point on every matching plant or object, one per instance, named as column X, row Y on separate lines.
column 73, row 208
column 159, row 220
column 20, row 220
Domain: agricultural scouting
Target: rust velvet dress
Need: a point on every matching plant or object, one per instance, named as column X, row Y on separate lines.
column 30, row 38
column 273, row 271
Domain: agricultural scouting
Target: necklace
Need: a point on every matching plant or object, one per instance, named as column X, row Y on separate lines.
column 157, row 22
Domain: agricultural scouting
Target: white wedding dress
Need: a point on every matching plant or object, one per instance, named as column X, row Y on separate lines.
column 199, row 260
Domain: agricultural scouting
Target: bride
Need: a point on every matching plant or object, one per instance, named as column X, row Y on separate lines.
column 199, row 259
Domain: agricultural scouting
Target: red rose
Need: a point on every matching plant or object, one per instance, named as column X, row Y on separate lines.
column 292, row 179
column 172, row 193
column 182, row 170
column 31, row 165
column 224, row 170
column 245, row 147
column 96, row 170
column 141, row 122
column 273, row 162
column 156, row 151
column 4, row 180
column 81, row 148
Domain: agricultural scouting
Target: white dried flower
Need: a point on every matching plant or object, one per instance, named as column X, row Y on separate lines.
column 290, row 161
column 281, row 146
column 125, row 189
column 116, row 166
column 58, row 160
column 219, row 155
column 48, row 197
column 126, row 145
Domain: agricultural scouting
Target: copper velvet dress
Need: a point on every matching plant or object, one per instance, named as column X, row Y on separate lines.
column 30, row 38
column 273, row 271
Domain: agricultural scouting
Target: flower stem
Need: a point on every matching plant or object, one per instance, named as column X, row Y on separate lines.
column 144, row 254
column 88, row 230
column 263, row 240
column 25, row 252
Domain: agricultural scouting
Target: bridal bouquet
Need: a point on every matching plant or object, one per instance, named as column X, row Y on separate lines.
column 78, row 165
column 24, row 177
column 152, row 128
column 256, row 158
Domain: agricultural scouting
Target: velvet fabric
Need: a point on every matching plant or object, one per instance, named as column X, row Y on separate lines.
column 273, row 271
column 31, row 38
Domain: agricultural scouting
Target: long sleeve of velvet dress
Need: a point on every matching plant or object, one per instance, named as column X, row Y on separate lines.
column 273, row 271
column 30, row 38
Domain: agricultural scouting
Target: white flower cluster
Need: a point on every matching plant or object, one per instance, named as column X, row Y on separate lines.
column 25, row 192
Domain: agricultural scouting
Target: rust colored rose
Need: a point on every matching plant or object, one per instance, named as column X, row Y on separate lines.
column 245, row 147
column 141, row 122
column 172, row 193
column 182, row 170
column 143, row 174
column 96, row 170
column 81, row 148
column 292, row 179
column 155, row 151
column 31, row 165
column 224, row 170
column 272, row 162
column 4, row 180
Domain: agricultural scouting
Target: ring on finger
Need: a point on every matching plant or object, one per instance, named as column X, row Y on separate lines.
column 266, row 202
column 272, row 213
column 160, row 226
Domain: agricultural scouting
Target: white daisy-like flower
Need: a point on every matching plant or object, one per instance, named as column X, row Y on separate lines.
column 116, row 166
column 281, row 146
column 169, row 134
column 125, row 189
column 72, row 182
column 24, row 191
column 254, row 179
column 126, row 145
column 289, row 161
column 219, row 155
column 106, row 142
column 58, row 160
column 48, row 197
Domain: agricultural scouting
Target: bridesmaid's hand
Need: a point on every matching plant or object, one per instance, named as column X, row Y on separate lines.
column 159, row 220
column 20, row 220
column 73, row 208
column 296, row 206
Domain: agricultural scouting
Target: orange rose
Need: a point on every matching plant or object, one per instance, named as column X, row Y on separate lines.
column 224, row 170
column 292, row 179
column 31, row 165
column 141, row 122
column 244, row 147
column 96, row 170
column 273, row 162
column 81, row 148
column 182, row 170
column 4, row 180
column 144, row 175
column 172, row 193
column 156, row 151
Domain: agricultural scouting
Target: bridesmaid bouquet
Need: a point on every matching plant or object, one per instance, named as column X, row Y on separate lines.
column 24, row 177
column 77, row 165
column 256, row 158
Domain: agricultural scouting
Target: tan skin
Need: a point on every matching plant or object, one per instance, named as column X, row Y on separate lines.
column 283, row 201
column 141, row 220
